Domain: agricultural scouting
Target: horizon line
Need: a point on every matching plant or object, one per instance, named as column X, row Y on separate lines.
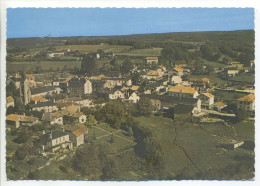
column 128, row 34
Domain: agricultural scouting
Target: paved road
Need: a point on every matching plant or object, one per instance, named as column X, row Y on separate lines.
column 218, row 113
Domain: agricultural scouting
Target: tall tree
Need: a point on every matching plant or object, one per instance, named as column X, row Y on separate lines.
column 145, row 107
column 127, row 65
column 89, row 65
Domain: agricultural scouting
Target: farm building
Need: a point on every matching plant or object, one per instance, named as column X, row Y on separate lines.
column 247, row 102
column 183, row 91
column 152, row 60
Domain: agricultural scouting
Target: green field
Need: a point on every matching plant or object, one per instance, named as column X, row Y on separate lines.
column 143, row 52
column 201, row 147
column 121, row 141
column 212, row 78
column 245, row 130
column 45, row 65
column 246, row 78
column 94, row 48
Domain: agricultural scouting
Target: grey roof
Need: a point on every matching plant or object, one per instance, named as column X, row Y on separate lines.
column 114, row 78
column 172, row 99
column 45, row 138
column 44, row 104
column 183, row 109
column 57, row 134
column 77, row 80
column 38, row 114
column 42, row 89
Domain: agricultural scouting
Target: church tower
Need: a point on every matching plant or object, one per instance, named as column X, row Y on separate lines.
column 25, row 91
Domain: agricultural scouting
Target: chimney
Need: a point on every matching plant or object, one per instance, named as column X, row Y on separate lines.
column 53, row 100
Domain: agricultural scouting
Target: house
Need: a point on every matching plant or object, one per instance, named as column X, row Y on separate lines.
column 152, row 74
column 236, row 64
column 9, row 102
column 30, row 76
column 207, row 100
column 165, row 102
column 116, row 94
column 53, row 118
column 77, row 134
column 46, row 106
column 55, row 140
column 183, row 112
column 175, row 80
column 45, row 90
column 152, row 60
column 252, row 63
column 32, row 83
column 186, row 83
column 200, row 84
column 219, row 106
column 76, row 117
column 233, row 144
column 16, row 79
column 132, row 96
column 115, row 81
column 79, row 86
column 245, row 69
column 65, row 105
column 13, row 121
column 82, row 102
column 55, row 54
column 231, row 71
column 38, row 99
column 183, row 91
column 178, row 71
column 247, row 102
column 28, row 120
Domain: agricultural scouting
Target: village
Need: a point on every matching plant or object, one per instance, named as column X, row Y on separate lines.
column 62, row 111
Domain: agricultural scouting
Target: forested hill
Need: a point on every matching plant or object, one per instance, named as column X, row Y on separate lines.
column 242, row 37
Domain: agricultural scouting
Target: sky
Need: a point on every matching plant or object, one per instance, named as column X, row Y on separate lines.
column 59, row 22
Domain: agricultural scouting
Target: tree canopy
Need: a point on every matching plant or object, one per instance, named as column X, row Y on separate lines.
column 89, row 65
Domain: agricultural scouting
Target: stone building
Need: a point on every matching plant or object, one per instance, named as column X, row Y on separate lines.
column 79, row 86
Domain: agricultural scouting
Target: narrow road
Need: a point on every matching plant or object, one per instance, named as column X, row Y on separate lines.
column 109, row 133
column 218, row 113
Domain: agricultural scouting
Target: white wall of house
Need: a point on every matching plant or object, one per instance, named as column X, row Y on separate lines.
column 232, row 72
column 46, row 108
column 134, row 97
column 10, row 104
column 58, row 120
column 184, row 95
column 152, row 61
column 246, row 105
column 176, row 79
column 88, row 87
column 82, row 119
column 116, row 95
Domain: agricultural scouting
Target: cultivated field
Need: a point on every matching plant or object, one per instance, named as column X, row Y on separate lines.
column 143, row 52
column 44, row 65
column 94, row 48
